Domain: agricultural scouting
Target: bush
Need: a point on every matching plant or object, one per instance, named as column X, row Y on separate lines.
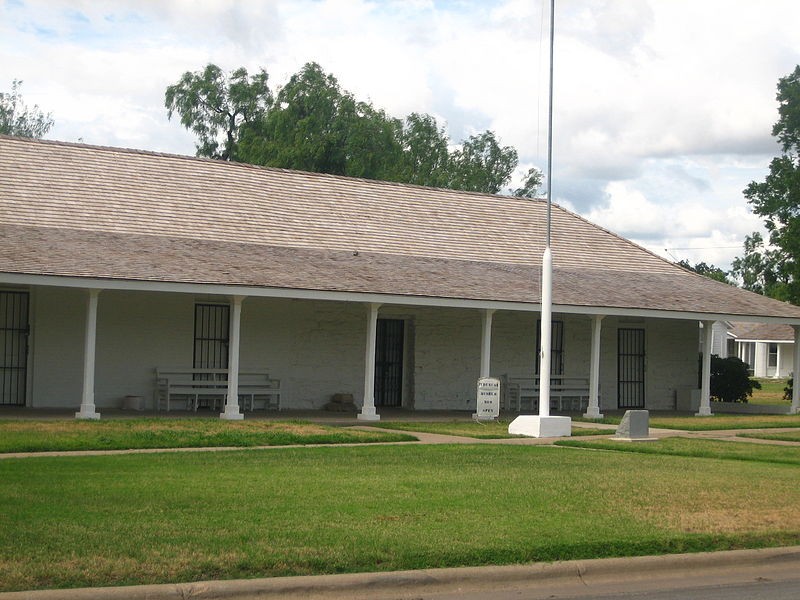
column 787, row 391
column 730, row 380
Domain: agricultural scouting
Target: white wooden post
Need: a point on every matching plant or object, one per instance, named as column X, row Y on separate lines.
column 486, row 343
column 705, row 388
column 88, row 409
column 778, row 361
column 368, row 407
column 796, row 366
column 232, row 412
column 593, row 410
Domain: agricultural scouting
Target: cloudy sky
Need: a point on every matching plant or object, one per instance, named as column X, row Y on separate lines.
column 663, row 108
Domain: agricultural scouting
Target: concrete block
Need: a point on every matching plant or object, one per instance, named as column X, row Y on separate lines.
column 541, row 427
column 635, row 425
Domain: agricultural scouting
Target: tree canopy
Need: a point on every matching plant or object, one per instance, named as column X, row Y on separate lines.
column 312, row 124
column 772, row 267
column 707, row 270
column 17, row 119
column 214, row 106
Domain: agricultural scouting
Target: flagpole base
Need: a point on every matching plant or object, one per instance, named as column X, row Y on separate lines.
column 541, row 427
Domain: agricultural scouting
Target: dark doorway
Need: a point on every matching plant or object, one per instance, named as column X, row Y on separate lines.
column 389, row 362
column 630, row 368
column 14, row 332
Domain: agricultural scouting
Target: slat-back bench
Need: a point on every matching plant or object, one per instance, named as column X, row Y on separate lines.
column 566, row 393
column 196, row 386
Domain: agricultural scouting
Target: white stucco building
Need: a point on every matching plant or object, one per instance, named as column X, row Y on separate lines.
column 115, row 263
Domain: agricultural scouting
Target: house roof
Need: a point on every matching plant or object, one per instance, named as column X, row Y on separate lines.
column 75, row 210
column 762, row 332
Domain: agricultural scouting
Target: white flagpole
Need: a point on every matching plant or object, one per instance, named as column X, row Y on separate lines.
column 547, row 257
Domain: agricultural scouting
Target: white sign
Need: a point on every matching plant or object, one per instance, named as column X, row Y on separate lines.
column 488, row 398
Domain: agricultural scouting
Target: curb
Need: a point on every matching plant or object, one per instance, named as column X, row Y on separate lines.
column 374, row 585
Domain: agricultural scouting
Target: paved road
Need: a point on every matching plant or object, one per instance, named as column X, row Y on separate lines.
column 780, row 585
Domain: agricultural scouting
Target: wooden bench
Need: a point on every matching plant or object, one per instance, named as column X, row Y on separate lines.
column 566, row 393
column 194, row 387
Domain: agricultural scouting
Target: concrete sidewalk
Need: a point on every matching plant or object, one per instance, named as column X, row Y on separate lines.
column 576, row 575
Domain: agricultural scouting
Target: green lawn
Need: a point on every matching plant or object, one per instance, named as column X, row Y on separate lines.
column 677, row 446
column 692, row 423
column 784, row 436
column 771, row 392
column 114, row 434
column 479, row 430
column 127, row 519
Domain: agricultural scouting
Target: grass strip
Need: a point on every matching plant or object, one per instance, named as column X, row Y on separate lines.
column 677, row 446
column 784, row 436
column 771, row 392
column 134, row 519
column 715, row 422
column 488, row 430
column 123, row 434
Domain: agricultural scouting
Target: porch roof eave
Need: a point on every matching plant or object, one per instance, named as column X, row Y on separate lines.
column 25, row 279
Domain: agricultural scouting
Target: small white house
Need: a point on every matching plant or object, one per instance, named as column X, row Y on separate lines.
column 768, row 348
column 117, row 263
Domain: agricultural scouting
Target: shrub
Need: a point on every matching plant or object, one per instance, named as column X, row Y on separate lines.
column 730, row 380
column 787, row 391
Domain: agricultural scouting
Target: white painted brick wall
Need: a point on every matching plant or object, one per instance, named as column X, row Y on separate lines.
column 317, row 348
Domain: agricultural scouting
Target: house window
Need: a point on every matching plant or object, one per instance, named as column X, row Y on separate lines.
column 772, row 359
column 556, row 347
column 211, row 336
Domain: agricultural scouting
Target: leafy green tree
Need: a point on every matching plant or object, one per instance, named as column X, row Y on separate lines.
column 214, row 106
column 532, row 185
column 17, row 119
column 706, row 270
column 482, row 165
column 425, row 157
column 312, row 124
column 762, row 270
column 777, row 198
column 316, row 126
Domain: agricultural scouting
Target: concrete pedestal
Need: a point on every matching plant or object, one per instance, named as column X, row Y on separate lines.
column 541, row 427
column 368, row 414
column 87, row 413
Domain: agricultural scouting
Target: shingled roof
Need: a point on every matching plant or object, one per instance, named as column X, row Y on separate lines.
column 75, row 210
column 763, row 332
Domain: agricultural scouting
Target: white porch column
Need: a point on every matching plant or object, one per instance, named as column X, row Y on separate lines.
column 593, row 410
column 88, row 409
column 778, row 361
column 705, row 388
column 368, row 408
column 232, row 412
column 486, row 343
column 796, row 372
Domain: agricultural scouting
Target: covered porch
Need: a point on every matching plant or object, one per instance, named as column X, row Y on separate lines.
column 88, row 348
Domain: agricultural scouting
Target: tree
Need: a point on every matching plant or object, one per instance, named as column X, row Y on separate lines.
column 312, row 124
column 425, row 158
column 762, row 270
column 17, row 119
column 482, row 165
column 706, row 270
column 214, row 106
column 532, row 185
column 777, row 198
column 316, row 126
